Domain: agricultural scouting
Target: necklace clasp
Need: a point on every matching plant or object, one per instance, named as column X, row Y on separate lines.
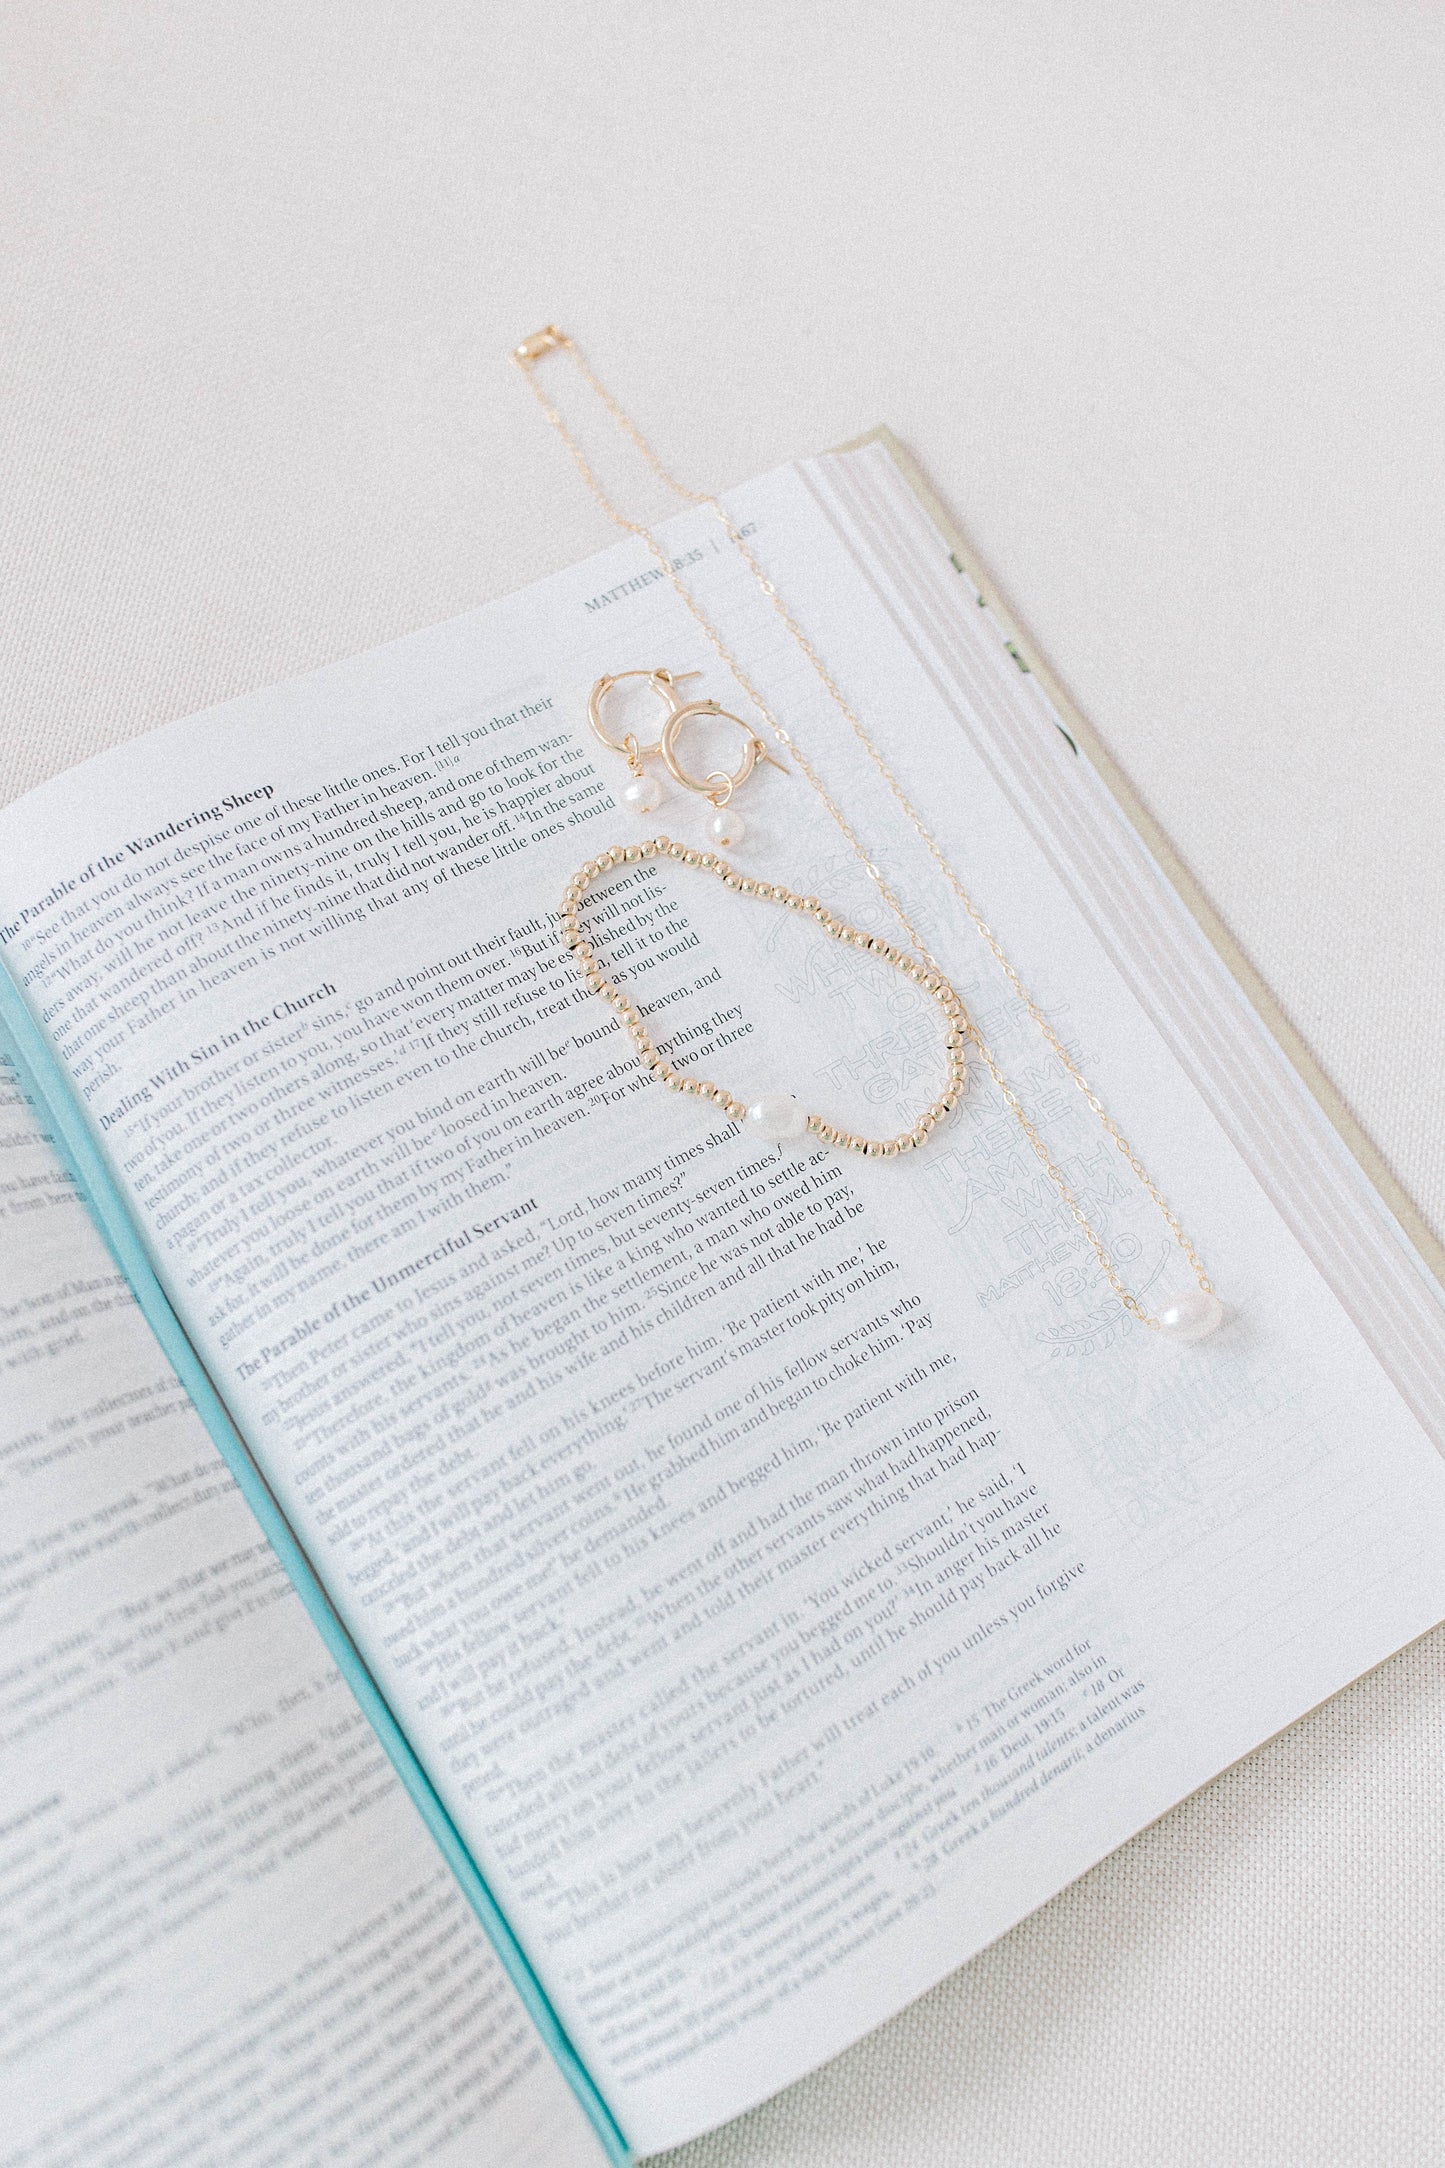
column 540, row 343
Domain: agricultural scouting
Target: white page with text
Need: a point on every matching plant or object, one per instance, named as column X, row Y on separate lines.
column 225, row 1936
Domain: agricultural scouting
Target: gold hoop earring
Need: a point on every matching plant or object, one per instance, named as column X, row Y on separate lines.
column 718, row 785
column 643, row 792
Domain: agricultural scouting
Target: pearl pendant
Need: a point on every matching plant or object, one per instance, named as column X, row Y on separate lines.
column 726, row 826
column 642, row 794
column 777, row 1116
column 1193, row 1316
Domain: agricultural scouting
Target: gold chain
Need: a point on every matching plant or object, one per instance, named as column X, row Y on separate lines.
column 550, row 340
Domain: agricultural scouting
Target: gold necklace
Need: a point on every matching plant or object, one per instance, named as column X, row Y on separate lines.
column 1191, row 1316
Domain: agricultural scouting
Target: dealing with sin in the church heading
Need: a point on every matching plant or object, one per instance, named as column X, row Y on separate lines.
column 530, row 1617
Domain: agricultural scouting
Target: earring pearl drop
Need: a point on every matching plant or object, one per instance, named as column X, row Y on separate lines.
column 642, row 795
column 727, row 826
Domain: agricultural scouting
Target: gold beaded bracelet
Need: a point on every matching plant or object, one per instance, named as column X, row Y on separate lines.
column 775, row 1115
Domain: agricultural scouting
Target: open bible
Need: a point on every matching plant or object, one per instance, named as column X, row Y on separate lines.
column 529, row 1616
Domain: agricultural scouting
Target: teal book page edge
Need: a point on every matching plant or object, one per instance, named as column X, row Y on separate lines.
column 44, row 1083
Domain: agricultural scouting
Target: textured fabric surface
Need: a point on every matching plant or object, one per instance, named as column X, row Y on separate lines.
column 1154, row 291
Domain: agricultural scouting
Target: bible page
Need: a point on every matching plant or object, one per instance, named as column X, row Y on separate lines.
column 791, row 1568
column 225, row 1936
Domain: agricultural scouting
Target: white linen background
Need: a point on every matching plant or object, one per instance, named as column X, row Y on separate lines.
column 1155, row 291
